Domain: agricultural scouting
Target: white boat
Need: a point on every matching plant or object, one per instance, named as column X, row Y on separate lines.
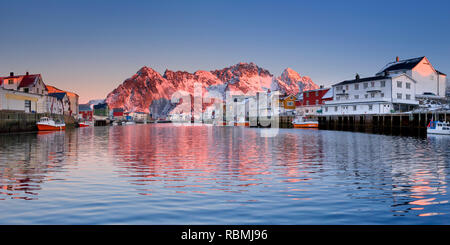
column 48, row 124
column 438, row 127
column 301, row 122
column 130, row 123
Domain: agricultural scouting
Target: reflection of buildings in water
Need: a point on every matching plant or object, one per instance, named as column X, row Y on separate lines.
column 228, row 157
column 27, row 160
column 410, row 170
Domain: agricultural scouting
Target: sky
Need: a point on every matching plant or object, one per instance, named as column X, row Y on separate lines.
column 90, row 47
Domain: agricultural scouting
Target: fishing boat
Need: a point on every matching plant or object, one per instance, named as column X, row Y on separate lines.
column 48, row 124
column 84, row 124
column 301, row 122
column 438, row 127
column 242, row 123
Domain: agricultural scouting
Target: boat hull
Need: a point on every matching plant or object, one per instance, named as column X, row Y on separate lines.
column 44, row 127
column 243, row 124
column 306, row 125
column 442, row 132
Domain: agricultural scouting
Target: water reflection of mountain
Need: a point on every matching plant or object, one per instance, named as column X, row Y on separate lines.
column 28, row 160
column 214, row 158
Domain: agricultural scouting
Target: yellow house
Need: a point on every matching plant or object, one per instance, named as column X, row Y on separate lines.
column 288, row 102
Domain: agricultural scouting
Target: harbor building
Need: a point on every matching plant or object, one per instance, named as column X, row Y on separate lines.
column 386, row 93
column 73, row 99
column 428, row 80
column 85, row 112
column 309, row 102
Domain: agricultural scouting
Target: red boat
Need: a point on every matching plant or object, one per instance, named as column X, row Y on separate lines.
column 47, row 124
column 84, row 124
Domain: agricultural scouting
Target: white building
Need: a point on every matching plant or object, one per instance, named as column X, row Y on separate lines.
column 373, row 95
column 429, row 80
column 14, row 100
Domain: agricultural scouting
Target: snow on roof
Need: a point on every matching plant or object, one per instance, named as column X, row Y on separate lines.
column 328, row 94
column 402, row 64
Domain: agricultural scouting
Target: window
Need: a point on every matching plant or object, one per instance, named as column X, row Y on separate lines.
column 357, row 96
column 366, row 85
column 307, row 102
column 408, row 96
column 399, row 84
column 408, row 85
column 370, row 107
column 290, row 103
column 317, row 102
column 27, row 105
column 338, row 97
column 383, row 83
column 372, row 95
column 356, row 86
column 346, row 87
column 382, row 95
column 307, row 94
column 366, row 96
column 26, row 90
column 372, row 84
column 399, row 96
column 10, row 81
column 317, row 93
column 354, row 107
column 339, row 88
column 326, row 108
column 335, row 108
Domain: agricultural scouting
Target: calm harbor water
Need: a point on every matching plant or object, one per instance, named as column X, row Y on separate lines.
column 164, row 174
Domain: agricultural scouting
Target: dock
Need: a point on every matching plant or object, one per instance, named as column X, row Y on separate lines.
column 413, row 124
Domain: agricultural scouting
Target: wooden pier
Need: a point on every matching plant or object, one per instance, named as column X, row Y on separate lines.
column 414, row 124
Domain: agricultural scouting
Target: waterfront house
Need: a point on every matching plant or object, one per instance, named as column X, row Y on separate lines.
column 14, row 100
column 85, row 112
column 428, row 79
column 54, row 105
column 101, row 110
column 309, row 102
column 28, row 83
column 287, row 104
column 139, row 116
column 118, row 114
column 385, row 93
column 65, row 102
column 73, row 99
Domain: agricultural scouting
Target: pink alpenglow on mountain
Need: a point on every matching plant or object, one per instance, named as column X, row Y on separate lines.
column 150, row 92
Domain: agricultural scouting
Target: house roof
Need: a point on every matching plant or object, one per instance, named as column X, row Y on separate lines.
column 84, row 107
column 328, row 94
column 440, row 73
column 29, row 80
column 361, row 80
column 57, row 95
column 53, row 89
column 100, row 106
column 402, row 64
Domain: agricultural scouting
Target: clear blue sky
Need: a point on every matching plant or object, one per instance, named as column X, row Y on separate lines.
column 90, row 47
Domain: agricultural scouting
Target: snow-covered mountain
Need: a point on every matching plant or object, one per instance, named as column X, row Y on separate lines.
column 148, row 89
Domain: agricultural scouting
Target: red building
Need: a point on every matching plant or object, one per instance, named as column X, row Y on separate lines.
column 310, row 102
column 118, row 113
column 85, row 112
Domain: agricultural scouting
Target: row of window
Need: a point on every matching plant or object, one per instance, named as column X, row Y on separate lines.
column 373, row 84
column 372, row 95
column 354, row 107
